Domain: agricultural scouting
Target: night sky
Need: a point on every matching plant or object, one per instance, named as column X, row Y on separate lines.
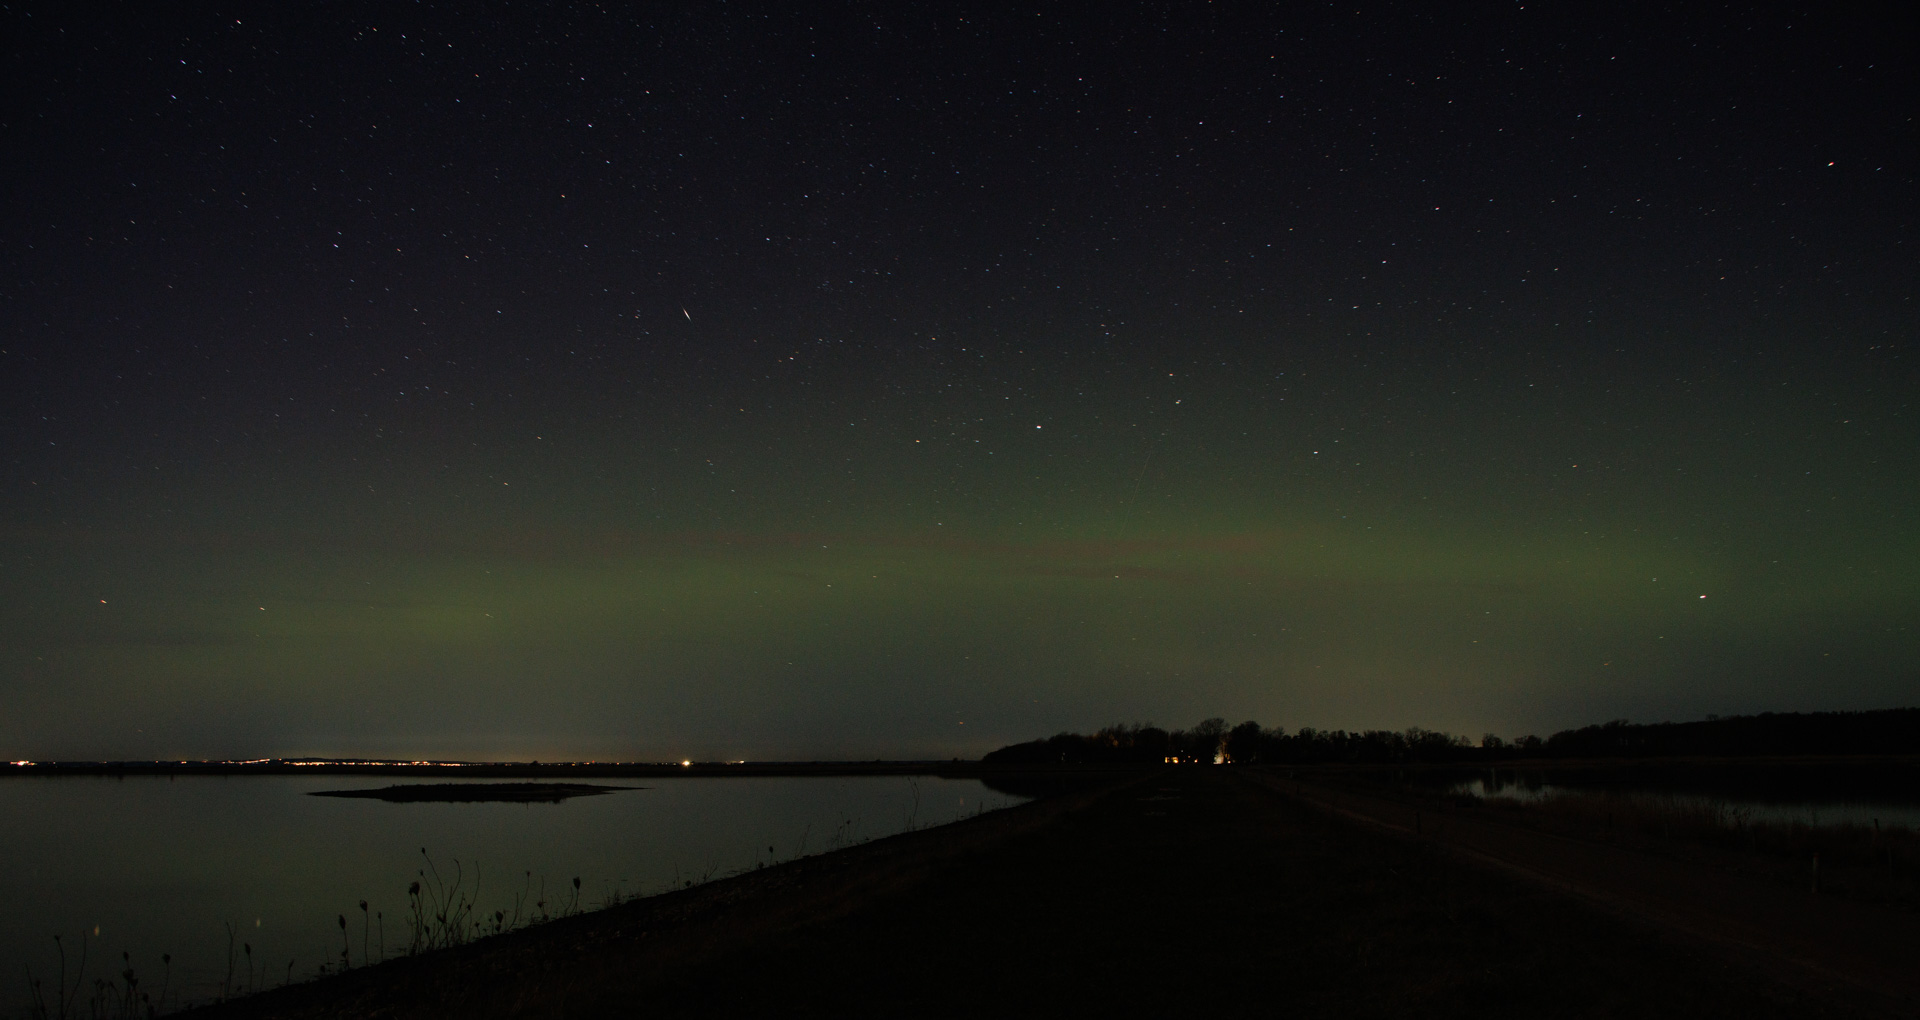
column 751, row 381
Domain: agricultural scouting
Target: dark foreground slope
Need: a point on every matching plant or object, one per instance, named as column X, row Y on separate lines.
column 1181, row 891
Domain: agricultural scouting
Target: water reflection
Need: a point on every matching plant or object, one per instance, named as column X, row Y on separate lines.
column 245, row 881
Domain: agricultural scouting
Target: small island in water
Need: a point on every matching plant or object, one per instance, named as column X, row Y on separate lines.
column 524, row 793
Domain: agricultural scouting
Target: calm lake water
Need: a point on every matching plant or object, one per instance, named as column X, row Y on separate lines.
column 156, row 865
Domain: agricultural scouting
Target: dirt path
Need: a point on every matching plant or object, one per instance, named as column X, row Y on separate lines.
column 1181, row 891
column 1826, row 940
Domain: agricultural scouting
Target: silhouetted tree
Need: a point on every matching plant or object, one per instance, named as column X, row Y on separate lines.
column 1885, row 731
column 1889, row 731
column 1118, row 743
column 1246, row 743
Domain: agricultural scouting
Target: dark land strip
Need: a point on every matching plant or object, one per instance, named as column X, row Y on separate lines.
column 1173, row 890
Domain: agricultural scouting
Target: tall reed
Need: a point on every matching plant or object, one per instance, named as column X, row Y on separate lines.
column 442, row 909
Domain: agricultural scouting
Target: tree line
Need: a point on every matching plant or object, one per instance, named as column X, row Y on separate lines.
column 1884, row 731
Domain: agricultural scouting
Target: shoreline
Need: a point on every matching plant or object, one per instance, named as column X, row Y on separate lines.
column 636, row 770
column 950, row 768
column 658, row 934
column 1134, row 892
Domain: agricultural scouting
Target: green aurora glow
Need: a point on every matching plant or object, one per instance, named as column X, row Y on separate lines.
column 757, row 381
column 902, row 588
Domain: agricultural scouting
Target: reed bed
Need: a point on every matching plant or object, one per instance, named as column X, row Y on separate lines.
column 117, row 998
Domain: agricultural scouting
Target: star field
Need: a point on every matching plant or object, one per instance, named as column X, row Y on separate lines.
column 560, row 380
